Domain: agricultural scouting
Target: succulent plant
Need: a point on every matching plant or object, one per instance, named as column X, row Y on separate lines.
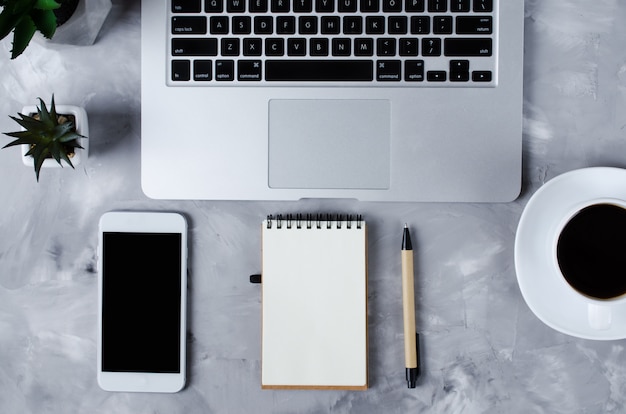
column 49, row 135
column 24, row 18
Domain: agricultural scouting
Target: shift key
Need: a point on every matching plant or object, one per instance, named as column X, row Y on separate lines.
column 461, row 46
column 194, row 47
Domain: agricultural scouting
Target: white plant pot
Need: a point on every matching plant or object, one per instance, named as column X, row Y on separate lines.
column 82, row 127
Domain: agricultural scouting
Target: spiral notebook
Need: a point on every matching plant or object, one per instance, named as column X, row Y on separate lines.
column 314, row 303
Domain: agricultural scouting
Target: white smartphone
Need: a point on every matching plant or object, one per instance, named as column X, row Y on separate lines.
column 142, row 287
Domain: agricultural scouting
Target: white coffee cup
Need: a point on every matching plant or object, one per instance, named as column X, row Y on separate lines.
column 572, row 254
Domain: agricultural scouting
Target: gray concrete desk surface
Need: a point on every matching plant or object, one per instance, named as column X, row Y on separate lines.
column 484, row 351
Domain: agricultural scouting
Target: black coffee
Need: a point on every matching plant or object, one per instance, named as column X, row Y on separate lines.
column 591, row 251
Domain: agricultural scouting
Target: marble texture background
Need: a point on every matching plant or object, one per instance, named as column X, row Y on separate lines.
column 483, row 349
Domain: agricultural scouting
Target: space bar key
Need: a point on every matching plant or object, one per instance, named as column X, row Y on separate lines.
column 319, row 70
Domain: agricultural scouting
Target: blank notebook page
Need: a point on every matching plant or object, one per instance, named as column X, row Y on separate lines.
column 314, row 306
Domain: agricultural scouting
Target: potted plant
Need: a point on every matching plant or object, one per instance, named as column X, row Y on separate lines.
column 25, row 17
column 51, row 138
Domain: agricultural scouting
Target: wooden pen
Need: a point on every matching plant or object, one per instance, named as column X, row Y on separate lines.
column 411, row 338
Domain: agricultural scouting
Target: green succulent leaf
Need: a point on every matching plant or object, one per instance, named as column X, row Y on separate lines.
column 39, row 153
column 46, row 5
column 53, row 108
column 22, row 35
column 70, row 137
column 74, row 143
column 59, row 131
column 66, row 159
column 44, row 115
column 45, row 21
column 20, row 141
column 8, row 21
column 21, row 6
column 55, row 150
column 30, row 124
column 23, row 137
column 24, row 17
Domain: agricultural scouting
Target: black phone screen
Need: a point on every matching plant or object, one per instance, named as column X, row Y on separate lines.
column 141, row 302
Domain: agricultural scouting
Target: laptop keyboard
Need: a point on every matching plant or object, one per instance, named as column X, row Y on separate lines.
column 335, row 42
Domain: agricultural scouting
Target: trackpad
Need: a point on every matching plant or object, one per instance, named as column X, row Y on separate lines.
column 322, row 144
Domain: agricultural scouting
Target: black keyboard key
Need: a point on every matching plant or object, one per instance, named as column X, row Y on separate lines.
column 370, row 6
column 235, row 6
column 459, row 65
column 302, row 6
column 263, row 25
column 414, row 6
column 242, row 25
column 392, row 6
column 194, row 47
column 437, row 6
column 414, row 70
column 285, row 25
column 342, row 46
column 318, row 46
column 252, row 46
column 442, row 25
column 330, row 25
column 189, row 25
column 324, row 6
column 436, row 76
column 460, row 6
column 459, row 70
column 181, row 70
column 408, row 47
column 483, row 6
column 352, row 25
column 459, row 76
column 202, row 70
column 397, row 25
column 375, row 25
column 420, row 25
column 296, row 46
column 347, row 6
column 258, row 6
column 319, row 70
column 474, row 25
column 274, row 46
column 224, row 70
column 431, row 47
column 214, row 6
column 364, row 47
column 388, row 70
column 386, row 46
column 280, row 6
column 307, row 25
column 186, row 6
column 481, row 76
column 219, row 24
column 230, row 46
column 460, row 46
column 249, row 70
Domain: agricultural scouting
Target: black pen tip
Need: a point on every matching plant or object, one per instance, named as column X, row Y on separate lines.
column 406, row 239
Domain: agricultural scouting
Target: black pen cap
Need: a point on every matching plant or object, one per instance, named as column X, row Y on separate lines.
column 406, row 239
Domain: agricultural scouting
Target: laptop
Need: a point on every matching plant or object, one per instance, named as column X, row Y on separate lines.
column 374, row 100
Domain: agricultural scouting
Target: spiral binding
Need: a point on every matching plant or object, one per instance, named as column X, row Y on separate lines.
column 318, row 220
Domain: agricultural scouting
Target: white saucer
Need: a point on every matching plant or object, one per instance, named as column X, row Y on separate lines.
column 543, row 288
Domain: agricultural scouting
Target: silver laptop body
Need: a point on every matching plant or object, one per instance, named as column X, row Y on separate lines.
column 399, row 122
